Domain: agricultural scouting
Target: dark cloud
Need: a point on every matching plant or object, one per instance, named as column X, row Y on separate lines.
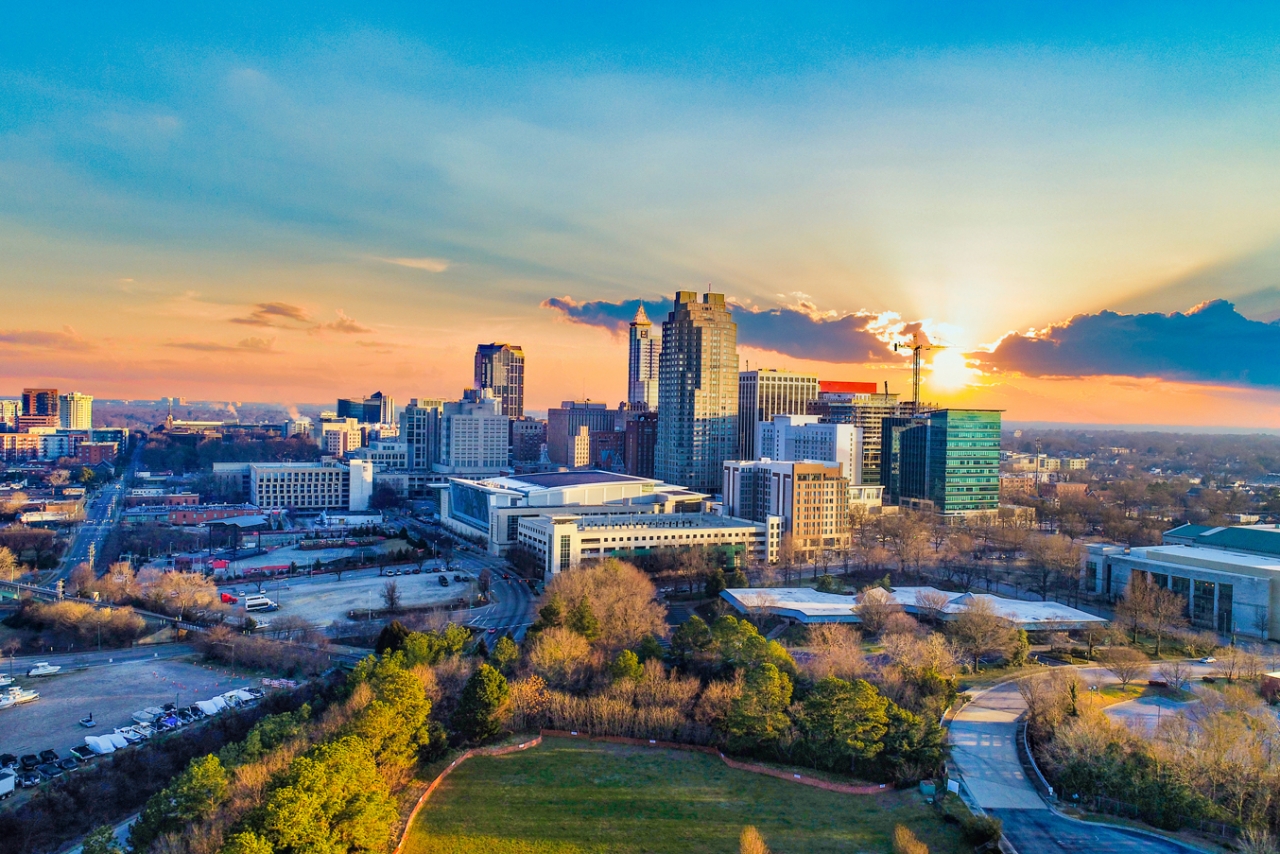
column 1211, row 343
column 67, row 339
column 798, row 332
column 274, row 314
column 247, row 345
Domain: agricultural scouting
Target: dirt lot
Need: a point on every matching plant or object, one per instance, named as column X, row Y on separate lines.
column 112, row 693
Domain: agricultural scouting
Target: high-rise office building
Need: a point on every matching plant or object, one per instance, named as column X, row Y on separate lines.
column 697, row 392
column 947, row 461
column 528, row 438
column 75, row 411
column 420, row 431
column 860, row 405
column 377, row 408
column 641, row 440
column 569, row 430
column 500, row 367
column 764, row 394
column 642, row 366
column 9, row 412
column 474, row 435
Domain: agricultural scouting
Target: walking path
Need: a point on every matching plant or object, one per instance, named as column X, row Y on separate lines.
column 984, row 748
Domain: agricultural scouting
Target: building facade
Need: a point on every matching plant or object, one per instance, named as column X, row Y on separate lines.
column 853, row 403
column 764, row 394
column 303, row 487
column 339, row 436
column 420, row 431
column 644, row 350
column 528, row 439
column 9, row 412
column 697, row 392
column 641, row 440
column 810, row 497
column 40, row 401
column 473, row 435
column 75, row 411
column 569, row 429
column 500, row 368
column 377, row 408
column 946, row 461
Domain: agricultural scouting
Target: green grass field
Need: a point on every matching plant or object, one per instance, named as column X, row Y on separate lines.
column 569, row 797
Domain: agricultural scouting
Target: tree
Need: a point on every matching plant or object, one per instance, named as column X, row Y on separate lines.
column 978, row 630
column 384, row 497
column 1165, row 614
column 715, row 584
column 8, row 564
column 505, row 654
column 751, row 842
column 759, row 716
column 787, row 557
column 931, row 604
column 626, row 666
column 1125, row 663
column 843, row 722
column 102, row 840
column 829, row 584
column 1133, row 610
column 1176, row 672
column 478, row 717
column 391, row 595
column 690, row 640
column 581, row 620
column 835, row 650
column 559, row 656
column 875, row 607
column 191, row 796
column 550, row 615
column 392, row 637
column 620, row 596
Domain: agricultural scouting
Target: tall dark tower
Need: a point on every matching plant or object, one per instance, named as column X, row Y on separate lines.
column 500, row 368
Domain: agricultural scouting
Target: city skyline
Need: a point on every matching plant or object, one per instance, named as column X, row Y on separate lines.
column 357, row 202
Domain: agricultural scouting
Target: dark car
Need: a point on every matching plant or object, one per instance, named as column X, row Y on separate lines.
column 47, row 756
column 444, row 581
column 8, row 760
column 185, row 716
column 29, row 762
column 417, row 570
column 82, row 753
column 457, row 578
column 50, row 770
column 68, row 764
column 27, row 779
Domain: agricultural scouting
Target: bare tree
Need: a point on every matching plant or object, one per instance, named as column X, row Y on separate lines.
column 1125, row 663
column 1176, row 672
column 1133, row 610
column 875, row 607
column 836, row 650
column 930, row 604
column 391, row 595
column 978, row 630
column 1165, row 613
column 787, row 557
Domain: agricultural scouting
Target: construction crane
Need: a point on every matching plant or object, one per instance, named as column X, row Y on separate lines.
column 916, row 346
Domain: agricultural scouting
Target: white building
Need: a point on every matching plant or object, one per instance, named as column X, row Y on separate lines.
column 490, row 509
column 420, row 430
column 802, row 437
column 300, row 426
column 764, row 394
column 564, row 540
column 337, row 437
column 474, row 435
column 645, row 346
column 1230, row 576
column 75, row 411
column 305, row 487
column 9, row 412
column 385, row 455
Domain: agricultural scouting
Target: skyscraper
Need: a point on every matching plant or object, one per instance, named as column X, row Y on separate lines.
column 500, row 367
column 40, row 401
column 473, row 435
column 377, row 408
column 642, row 368
column 859, row 404
column 569, row 429
column 420, row 431
column 764, row 394
column 75, row 411
column 947, row 461
column 697, row 392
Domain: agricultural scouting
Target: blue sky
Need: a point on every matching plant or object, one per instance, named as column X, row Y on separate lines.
column 435, row 175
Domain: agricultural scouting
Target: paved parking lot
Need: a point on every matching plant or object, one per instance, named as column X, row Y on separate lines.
column 112, row 693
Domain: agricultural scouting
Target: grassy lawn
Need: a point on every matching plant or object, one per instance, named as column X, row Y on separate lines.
column 570, row 797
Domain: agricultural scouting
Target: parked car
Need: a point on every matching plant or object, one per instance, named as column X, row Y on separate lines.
column 444, row 581
column 8, row 780
column 29, row 762
column 68, row 764
column 457, row 578
column 29, row 779
column 49, row 756
column 49, row 770
column 8, row 760
column 82, row 752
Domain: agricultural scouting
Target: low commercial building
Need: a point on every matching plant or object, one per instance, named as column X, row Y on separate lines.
column 811, row 497
column 1230, row 576
column 489, row 510
column 805, row 605
column 564, row 541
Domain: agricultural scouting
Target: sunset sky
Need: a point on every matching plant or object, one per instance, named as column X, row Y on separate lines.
column 268, row 205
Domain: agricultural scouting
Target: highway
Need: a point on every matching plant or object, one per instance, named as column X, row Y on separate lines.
column 100, row 516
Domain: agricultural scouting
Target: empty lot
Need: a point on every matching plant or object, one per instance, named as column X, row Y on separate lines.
column 111, row 692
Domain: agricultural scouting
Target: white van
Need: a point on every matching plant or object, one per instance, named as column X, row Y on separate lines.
column 258, row 602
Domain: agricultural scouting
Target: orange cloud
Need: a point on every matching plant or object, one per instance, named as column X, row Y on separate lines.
column 247, row 345
column 274, row 314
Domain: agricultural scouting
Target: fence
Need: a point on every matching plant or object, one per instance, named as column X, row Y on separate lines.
column 1111, row 806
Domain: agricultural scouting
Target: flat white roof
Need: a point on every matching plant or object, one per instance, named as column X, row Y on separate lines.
column 807, row 605
column 1206, row 557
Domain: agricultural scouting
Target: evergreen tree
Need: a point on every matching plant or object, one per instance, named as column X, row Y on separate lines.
column 649, row 648
column 626, row 666
column 582, row 619
column 392, row 637
column 102, row 841
column 477, row 717
column 505, row 654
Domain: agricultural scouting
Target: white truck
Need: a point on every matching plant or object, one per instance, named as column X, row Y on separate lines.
column 258, row 602
column 8, row 780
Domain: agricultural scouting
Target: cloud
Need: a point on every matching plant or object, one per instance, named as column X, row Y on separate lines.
column 247, row 345
column 800, row 331
column 1211, row 343
column 344, row 324
column 431, row 265
column 274, row 314
column 67, row 339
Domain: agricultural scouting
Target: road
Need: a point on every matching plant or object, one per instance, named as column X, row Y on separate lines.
column 105, row 658
column 984, row 748
column 100, row 516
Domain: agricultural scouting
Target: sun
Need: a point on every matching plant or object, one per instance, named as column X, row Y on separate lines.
column 949, row 371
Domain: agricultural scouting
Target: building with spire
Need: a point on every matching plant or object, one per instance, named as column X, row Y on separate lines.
column 642, row 373
column 500, row 368
column 697, row 392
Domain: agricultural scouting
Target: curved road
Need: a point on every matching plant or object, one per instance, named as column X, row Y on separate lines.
column 984, row 748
